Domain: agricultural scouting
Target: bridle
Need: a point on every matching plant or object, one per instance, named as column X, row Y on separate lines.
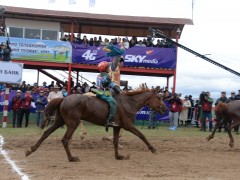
column 147, row 104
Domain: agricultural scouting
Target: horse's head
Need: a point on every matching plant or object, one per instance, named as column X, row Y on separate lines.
column 156, row 102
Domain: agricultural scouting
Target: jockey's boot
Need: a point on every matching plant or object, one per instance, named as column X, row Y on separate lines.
column 111, row 123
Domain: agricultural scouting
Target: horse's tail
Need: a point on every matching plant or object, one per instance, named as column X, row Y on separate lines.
column 49, row 111
column 221, row 108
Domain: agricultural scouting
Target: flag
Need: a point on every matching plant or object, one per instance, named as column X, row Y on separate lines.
column 92, row 3
column 72, row 2
column 51, row 1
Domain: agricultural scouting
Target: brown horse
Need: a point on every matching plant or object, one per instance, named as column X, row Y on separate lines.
column 230, row 113
column 71, row 109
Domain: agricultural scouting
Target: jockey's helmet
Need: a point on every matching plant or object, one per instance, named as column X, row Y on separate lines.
column 102, row 66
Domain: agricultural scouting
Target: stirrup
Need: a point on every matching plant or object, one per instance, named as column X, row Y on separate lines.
column 112, row 124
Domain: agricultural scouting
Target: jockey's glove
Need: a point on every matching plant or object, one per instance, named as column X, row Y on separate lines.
column 117, row 89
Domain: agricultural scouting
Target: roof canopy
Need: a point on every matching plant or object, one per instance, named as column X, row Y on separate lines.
column 103, row 24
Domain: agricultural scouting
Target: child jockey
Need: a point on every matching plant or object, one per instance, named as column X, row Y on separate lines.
column 104, row 84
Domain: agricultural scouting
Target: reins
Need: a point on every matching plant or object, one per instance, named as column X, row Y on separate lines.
column 154, row 109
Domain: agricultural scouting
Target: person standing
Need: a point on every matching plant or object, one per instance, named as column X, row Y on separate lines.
column 152, row 122
column 232, row 98
column 222, row 99
column 16, row 108
column 25, row 108
column 40, row 103
column 207, row 102
column 191, row 110
column 55, row 93
column 175, row 103
column 185, row 108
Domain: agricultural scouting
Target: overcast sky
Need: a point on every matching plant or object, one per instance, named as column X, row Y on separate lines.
column 215, row 32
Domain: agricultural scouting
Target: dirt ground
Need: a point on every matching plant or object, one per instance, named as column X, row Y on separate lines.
column 176, row 159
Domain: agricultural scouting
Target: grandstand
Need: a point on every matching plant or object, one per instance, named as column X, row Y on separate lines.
column 38, row 24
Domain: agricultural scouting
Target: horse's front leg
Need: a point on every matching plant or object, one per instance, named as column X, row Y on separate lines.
column 116, row 131
column 229, row 128
column 135, row 131
column 211, row 136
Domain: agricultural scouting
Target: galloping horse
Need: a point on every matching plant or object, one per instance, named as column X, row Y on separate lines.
column 71, row 109
column 230, row 113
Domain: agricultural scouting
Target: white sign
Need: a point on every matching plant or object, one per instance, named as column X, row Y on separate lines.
column 10, row 72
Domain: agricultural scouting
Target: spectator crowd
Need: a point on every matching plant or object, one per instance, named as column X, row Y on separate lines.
column 26, row 94
column 125, row 43
column 182, row 111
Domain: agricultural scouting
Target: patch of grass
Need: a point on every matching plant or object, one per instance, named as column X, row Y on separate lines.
column 99, row 131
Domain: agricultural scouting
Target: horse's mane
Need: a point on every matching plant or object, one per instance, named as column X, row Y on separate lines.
column 136, row 92
column 221, row 108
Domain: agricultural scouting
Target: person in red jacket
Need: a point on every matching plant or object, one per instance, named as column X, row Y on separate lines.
column 16, row 107
column 25, row 108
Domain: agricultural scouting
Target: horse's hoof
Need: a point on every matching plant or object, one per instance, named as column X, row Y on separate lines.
column 82, row 137
column 120, row 157
column 231, row 145
column 27, row 153
column 74, row 159
column 153, row 150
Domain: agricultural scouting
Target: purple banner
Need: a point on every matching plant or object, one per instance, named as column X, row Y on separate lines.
column 11, row 95
column 143, row 114
column 135, row 56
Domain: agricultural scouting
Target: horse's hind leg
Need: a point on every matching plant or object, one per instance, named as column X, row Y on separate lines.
column 135, row 131
column 71, row 127
column 58, row 123
column 116, row 131
column 229, row 128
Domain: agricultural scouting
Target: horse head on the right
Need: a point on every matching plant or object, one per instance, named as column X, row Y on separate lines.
column 156, row 102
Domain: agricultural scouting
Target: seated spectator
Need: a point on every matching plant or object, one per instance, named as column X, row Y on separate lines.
column 149, row 42
column 85, row 41
column 159, row 44
column 140, row 44
column 124, row 44
column 105, row 43
column 96, row 42
column 100, row 39
column 115, row 41
column 133, row 42
column 78, row 39
column 91, row 42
